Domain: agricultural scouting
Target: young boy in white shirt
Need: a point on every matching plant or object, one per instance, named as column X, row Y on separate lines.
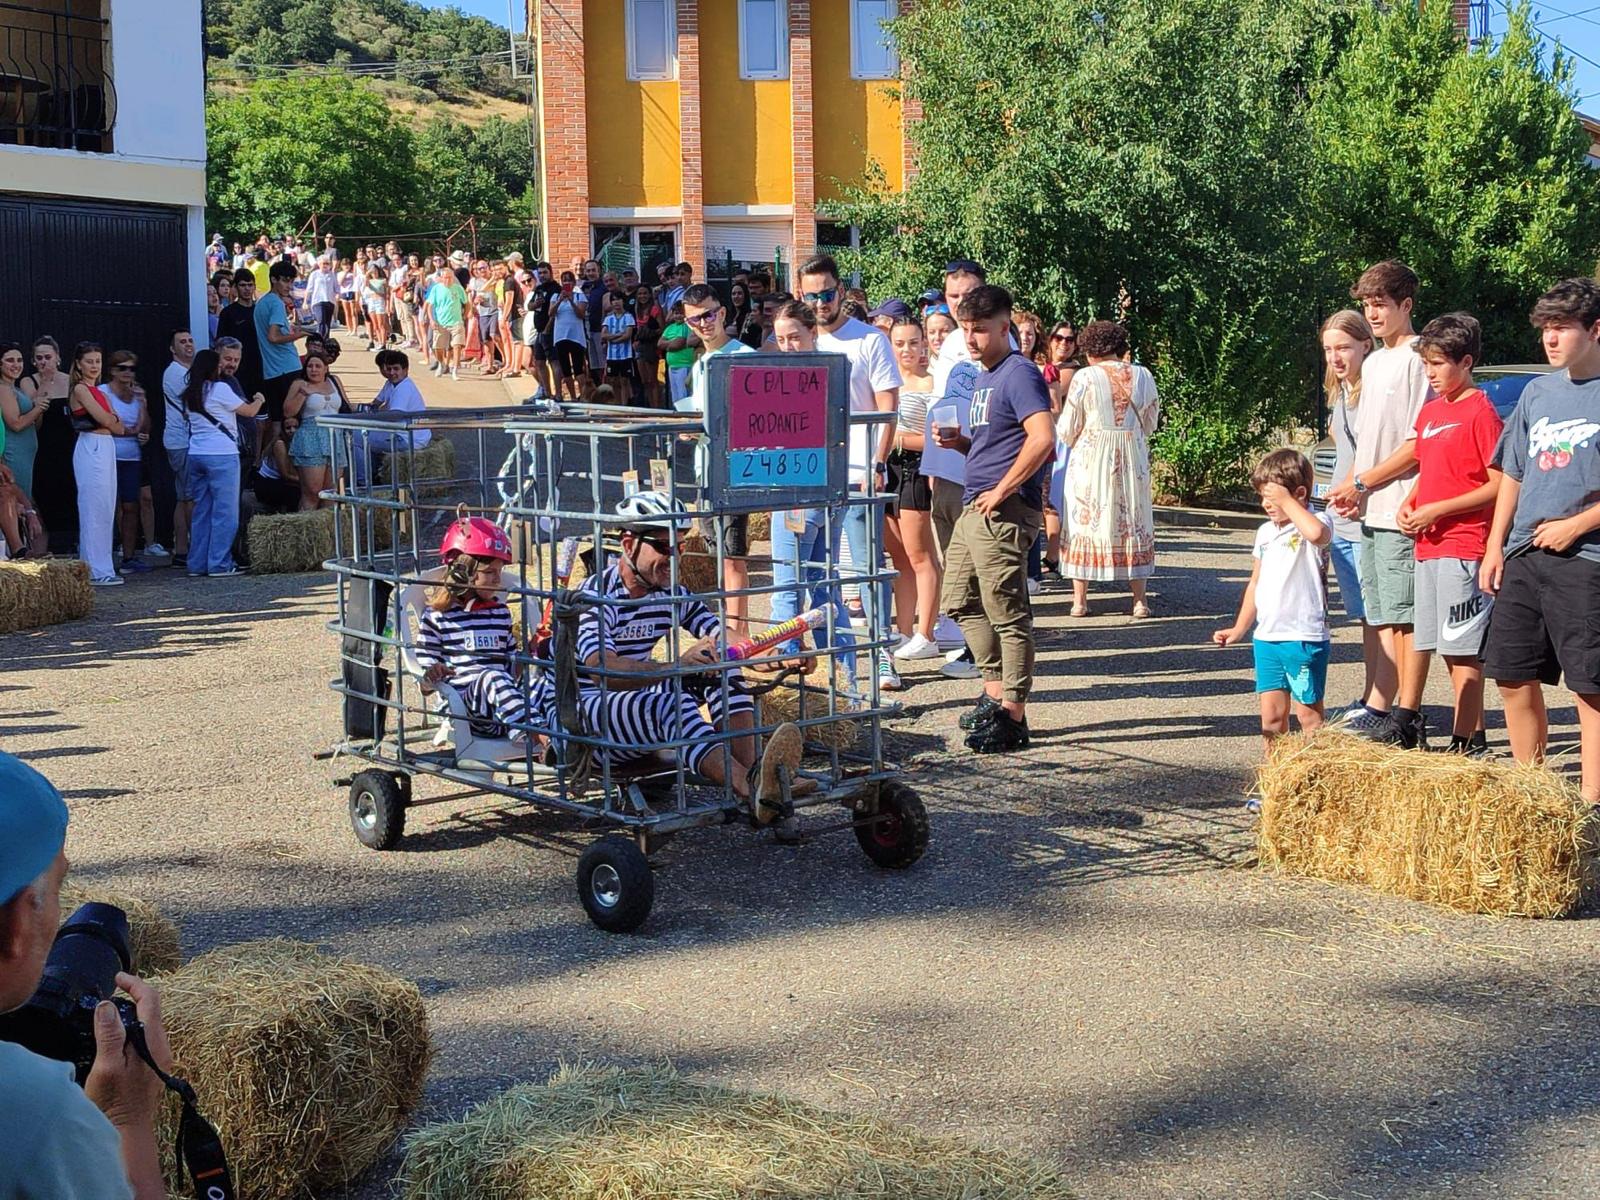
column 1393, row 388
column 1286, row 598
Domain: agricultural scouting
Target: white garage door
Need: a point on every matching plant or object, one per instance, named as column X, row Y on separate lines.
column 750, row 242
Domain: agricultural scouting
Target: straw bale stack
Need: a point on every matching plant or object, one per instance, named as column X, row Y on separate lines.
column 289, row 543
column 47, row 592
column 1473, row 835
column 309, row 1065
column 807, row 698
column 605, row 1134
column 152, row 936
column 761, row 527
column 435, row 461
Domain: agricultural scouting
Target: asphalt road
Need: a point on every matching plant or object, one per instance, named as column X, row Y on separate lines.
column 1086, row 965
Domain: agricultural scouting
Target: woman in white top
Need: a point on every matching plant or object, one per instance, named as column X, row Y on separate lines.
column 214, row 405
column 1111, row 410
column 94, row 463
column 312, row 449
column 908, row 531
column 376, row 293
column 133, row 485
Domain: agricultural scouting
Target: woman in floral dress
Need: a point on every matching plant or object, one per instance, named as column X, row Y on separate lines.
column 1110, row 411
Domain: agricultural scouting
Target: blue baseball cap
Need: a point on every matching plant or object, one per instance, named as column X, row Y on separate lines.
column 33, row 825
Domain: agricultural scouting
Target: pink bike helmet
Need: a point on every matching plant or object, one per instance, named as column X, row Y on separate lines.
column 477, row 537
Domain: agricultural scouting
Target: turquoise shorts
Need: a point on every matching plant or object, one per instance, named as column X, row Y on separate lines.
column 1299, row 668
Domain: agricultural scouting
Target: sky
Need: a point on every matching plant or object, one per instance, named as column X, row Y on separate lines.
column 495, row 10
column 1575, row 23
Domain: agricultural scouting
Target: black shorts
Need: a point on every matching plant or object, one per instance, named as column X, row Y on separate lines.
column 276, row 390
column 543, row 348
column 733, row 532
column 621, row 368
column 1546, row 622
column 911, row 489
column 571, row 359
column 130, row 480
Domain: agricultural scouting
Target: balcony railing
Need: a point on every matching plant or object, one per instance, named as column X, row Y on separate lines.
column 55, row 79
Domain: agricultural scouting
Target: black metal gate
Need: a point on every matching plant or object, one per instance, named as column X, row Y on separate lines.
column 87, row 270
column 82, row 270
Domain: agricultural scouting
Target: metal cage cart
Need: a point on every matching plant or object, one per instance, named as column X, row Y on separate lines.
column 777, row 439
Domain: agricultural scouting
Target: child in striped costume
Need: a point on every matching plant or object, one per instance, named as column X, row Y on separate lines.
column 637, row 703
column 464, row 638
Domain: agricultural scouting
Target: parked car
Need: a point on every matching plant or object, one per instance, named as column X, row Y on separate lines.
column 1503, row 385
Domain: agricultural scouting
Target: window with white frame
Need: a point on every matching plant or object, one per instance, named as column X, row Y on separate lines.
column 872, row 53
column 652, row 38
column 763, row 39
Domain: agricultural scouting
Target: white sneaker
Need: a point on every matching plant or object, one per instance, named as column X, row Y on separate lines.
column 109, row 581
column 454, row 376
column 918, row 646
column 888, row 678
column 948, row 634
column 156, row 550
column 958, row 666
column 1033, row 586
column 438, row 368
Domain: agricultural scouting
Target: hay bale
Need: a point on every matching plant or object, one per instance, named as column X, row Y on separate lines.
column 436, row 461
column 152, row 936
column 43, row 593
column 802, row 699
column 594, row 1133
column 761, row 527
column 289, row 543
column 1473, row 835
column 310, row 1065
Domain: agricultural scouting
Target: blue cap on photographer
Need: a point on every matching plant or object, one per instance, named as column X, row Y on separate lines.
column 33, row 825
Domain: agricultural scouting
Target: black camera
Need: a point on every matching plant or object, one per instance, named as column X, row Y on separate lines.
column 58, row 1021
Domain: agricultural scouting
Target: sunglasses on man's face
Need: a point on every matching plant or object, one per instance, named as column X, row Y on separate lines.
column 122, row 366
column 660, row 546
column 704, row 318
column 826, row 296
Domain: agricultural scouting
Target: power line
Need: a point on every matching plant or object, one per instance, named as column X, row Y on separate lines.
column 494, row 57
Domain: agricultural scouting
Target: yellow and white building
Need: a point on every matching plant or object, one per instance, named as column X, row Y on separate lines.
column 706, row 129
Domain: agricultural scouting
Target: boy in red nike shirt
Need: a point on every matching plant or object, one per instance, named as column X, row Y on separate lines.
column 1448, row 512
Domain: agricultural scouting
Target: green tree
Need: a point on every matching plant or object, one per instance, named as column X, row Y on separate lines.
column 1217, row 173
column 1141, row 160
column 1470, row 167
column 452, row 174
column 284, row 148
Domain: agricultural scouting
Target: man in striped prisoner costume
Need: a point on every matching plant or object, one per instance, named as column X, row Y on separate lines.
column 638, row 703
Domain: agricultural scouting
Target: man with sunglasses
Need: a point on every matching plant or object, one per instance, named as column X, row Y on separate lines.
column 636, row 703
column 702, row 312
column 874, row 387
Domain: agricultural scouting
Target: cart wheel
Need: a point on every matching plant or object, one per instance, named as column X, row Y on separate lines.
column 898, row 834
column 377, row 809
column 615, row 884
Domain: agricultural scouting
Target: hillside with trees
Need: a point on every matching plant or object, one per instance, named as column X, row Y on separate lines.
column 365, row 106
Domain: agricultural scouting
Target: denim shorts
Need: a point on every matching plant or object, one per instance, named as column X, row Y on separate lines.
column 1344, row 553
column 1299, row 668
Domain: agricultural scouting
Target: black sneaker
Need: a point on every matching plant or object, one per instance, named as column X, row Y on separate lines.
column 1478, row 746
column 1001, row 734
column 1402, row 729
column 980, row 714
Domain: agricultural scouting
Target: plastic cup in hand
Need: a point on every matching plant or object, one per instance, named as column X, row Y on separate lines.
column 945, row 422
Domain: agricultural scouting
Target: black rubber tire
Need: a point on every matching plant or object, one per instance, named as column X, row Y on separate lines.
column 377, row 810
column 403, row 782
column 899, row 834
column 615, row 884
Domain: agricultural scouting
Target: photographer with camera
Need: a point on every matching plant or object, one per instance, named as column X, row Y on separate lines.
column 62, row 1141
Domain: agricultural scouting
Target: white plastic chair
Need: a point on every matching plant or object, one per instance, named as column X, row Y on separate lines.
column 455, row 726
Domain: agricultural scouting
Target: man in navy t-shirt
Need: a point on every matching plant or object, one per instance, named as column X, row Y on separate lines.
column 985, row 571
